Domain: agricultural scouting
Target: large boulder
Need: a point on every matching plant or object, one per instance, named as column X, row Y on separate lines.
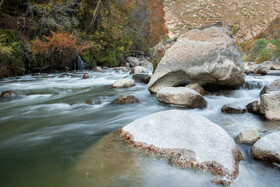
column 267, row 148
column 270, row 105
column 206, row 57
column 188, row 140
column 138, row 69
column 124, row 83
column 181, row 96
column 133, row 61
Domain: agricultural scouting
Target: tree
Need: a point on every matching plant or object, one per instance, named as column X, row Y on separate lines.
column 59, row 48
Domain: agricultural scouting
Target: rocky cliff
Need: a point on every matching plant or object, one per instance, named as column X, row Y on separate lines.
column 246, row 18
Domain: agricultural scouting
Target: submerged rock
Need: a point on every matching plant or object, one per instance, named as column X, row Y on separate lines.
column 85, row 76
column 181, row 96
column 248, row 136
column 8, row 93
column 207, row 56
column 233, row 109
column 197, row 88
column 188, row 140
column 126, row 99
column 253, row 107
column 267, row 148
column 142, row 78
column 124, row 83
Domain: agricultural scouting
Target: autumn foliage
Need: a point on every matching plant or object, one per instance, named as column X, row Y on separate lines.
column 59, row 48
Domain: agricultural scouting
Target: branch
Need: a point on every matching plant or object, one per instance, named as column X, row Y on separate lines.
column 94, row 16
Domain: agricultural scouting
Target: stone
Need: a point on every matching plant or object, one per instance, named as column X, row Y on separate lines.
column 253, row 107
column 126, row 99
column 270, row 105
column 138, row 69
column 262, row 70
column 14, row 81
column 275, row 86
column 36, row 74
column 267, row 148
column 145, row 63
column 271, row 47
column 141, row 78
column 97, row 68
column 187, row 140
column 133, row 61
column 233, row 109
column 61, row 76
column 85, row 76
column 8, row 93
column 248, row 136
column 91, row 102
column 124, row 83
column 197, row 88
column 207, row 56
column 181, row 96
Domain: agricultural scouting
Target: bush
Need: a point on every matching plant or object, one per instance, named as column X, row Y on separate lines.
column 12, row 58
column 58, row 49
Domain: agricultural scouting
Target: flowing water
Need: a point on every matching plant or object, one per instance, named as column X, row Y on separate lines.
column 50, row 136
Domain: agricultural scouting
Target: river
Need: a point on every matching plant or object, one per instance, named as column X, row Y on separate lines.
column 50, row 136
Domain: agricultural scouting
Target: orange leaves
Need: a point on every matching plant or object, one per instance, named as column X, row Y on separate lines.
column 58, row 41
column 58, row 49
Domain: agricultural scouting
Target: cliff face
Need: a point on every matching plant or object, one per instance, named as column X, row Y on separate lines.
column 252, row 16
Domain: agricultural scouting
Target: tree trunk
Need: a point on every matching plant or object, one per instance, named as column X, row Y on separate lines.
column 2, row 1
column 95, row 13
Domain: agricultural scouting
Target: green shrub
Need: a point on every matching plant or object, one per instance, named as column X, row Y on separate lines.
column 12, row 58
column 264, row 55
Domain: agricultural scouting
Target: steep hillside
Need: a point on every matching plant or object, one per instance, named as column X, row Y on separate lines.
column 248, row 17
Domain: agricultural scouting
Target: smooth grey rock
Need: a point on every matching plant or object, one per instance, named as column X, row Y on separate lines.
column 248, row 136
column 124, row 83
column 268, row 148
column 142, row 78
column 233, row 109
column 275, row 86
column 181, row 96
column 187, row 139
column 208, row 56
column 133, row 61
column 270, row 105
column 138, row 69
column 197, row 88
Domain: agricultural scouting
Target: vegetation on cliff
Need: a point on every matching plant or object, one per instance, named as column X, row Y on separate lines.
column 108, row 30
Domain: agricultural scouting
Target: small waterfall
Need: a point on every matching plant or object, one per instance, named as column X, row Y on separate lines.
column 77, row 63
column 81, row 65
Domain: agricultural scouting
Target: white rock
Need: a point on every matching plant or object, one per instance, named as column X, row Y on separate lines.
column 181, row 96
column 189, row 140
column 268, row 148
column 124, row 83
column 248, row 136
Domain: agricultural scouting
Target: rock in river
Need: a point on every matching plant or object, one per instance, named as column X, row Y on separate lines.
column 124, row 83
column 206, row 57
column 8, row 93
column 197, row 88
column 253, row 107
column 126, row 99
column 248, row 136
column 233, row 109
column 188, row 140
column 268, row 148
column 181, row 96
